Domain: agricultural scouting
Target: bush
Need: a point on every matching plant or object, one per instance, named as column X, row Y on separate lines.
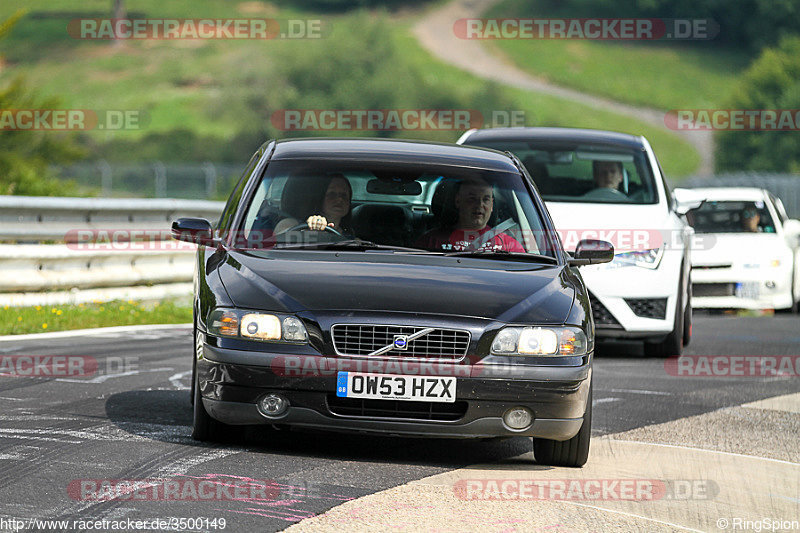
column 27, row 155
column 771, row 82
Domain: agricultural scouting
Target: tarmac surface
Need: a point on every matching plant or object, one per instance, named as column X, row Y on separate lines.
column 699, row 449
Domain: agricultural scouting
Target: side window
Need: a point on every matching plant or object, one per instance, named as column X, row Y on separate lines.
column 228, row 213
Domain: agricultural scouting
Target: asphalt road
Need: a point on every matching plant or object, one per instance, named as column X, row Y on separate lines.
column 131, row 420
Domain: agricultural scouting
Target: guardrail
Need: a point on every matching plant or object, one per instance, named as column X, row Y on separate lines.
column 34, row 273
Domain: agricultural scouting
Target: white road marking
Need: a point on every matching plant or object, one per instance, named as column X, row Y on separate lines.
column 605, row 400
column 632, row 515
column 636, row 391
column 105, row 377
column 175, row 380
column 757, row 457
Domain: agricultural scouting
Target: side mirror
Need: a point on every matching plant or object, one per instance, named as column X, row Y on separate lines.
column 592, row 252
column 791, row 230
column 686, row 200
column 195, row 230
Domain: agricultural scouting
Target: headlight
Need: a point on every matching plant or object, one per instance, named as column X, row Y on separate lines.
column 256, row 326
column 540, row 341
column 642, row 258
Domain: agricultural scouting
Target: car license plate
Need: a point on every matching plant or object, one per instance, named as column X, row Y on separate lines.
column 394, row 387
column 747, row 289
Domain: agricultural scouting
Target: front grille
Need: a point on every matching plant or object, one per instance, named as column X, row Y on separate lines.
column 396, row 409
column 648, row 307
column 602, row 316
column 713, row 289
column 363, row 339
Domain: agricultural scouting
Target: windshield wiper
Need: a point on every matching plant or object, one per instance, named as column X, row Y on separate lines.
column 504, row 255
column 349, row 244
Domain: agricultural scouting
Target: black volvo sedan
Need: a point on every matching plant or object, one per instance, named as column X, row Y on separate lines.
column 392, row 287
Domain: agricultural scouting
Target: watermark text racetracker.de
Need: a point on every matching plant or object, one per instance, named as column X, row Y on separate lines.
column 64, row 366
column 206, row 488
column 605, row 29
column 172, row 523
column 640, row 490
column 733, row 119
column 72, row 119
column 182, row 28
column 393, row 119
column 732, row 366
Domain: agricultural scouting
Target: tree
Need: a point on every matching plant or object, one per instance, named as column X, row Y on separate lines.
column 25, row 156
column 771, row 82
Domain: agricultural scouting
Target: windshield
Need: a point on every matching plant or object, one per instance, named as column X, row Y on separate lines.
column 731, row 217
column 584, row 173
column 411, row 208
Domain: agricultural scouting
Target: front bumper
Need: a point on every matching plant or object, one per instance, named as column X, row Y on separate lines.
column 615, row 287
column 232, row 381
column 740, row 288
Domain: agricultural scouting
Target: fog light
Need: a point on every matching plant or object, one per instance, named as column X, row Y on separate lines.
column 518, row 418
column 770, row 284
column 273, row 405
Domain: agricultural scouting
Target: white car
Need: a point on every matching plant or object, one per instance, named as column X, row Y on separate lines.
column 645, row 292
column 746, row 255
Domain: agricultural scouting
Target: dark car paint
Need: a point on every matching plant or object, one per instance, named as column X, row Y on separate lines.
column 321, row 287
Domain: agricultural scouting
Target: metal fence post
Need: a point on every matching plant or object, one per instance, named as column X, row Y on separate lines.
column 105, row 177
column 211, row 179
column 161, row 179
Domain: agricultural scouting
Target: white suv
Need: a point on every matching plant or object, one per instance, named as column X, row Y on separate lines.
column 607, row 185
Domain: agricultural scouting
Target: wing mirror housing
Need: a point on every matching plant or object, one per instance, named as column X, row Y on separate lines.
column 686, row 200
column 592, row 252
column 194, row 230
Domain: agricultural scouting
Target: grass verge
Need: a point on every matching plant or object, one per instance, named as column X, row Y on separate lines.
column 40, row 319
column 665, row 75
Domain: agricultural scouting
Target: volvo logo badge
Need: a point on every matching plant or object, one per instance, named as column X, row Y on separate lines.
column 400, row 342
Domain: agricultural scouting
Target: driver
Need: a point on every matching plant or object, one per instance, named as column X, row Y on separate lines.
column 331, row 208
column 474, row 201
column 607, row 174
column 750, row 219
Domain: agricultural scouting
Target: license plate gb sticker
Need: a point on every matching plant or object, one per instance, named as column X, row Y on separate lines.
column 341, row 384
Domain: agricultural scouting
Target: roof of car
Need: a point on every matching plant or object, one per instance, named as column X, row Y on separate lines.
column 556, row 135
column 393, row 150
column 731, row 193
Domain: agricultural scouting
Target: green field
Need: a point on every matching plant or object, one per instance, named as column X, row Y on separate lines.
column 664, row 75
column 44, row 318
column 217, row 97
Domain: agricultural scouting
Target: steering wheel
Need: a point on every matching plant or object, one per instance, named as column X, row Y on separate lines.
column 305, row 226
column 606, row 194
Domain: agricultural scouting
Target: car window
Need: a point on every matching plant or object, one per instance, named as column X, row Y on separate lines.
column 731, row 217
column 228, row 213
column 584, row 173
column 400, row 205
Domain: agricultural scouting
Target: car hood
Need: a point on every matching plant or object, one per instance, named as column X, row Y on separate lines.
column 627, row 227
column 540, row 294
column 717, row 249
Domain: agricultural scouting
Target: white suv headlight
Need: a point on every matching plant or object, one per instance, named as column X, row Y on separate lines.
column 526, row 341
column 642, row 258
column 256, row 326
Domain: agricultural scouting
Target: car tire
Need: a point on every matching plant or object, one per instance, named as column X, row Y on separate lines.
column 573, row 452
column 204, row 428
column 672, row 343
column 687, row 317
column 194, row 362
